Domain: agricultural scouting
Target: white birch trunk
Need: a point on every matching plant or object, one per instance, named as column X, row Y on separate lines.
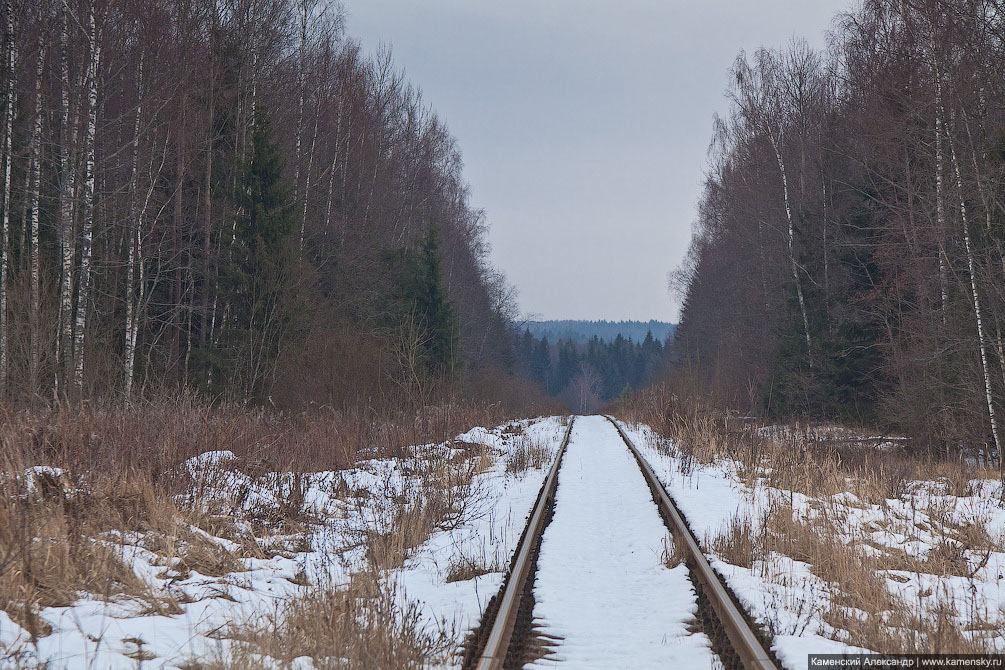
column 307, row 176
column 67, row 187
column 827, row 282
column 133, row 326
column 129, row 344
column 792, row 256
column 986, row 205
column 87, row 229
column 978, row 316
column 8, row 143
column 300, row 114
column 331, row 177
column 331, row 194
column 33, row 234
column 940, row 208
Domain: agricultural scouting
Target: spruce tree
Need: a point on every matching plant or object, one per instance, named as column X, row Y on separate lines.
column 255, row 282
column 423, row 297
column 540, row 366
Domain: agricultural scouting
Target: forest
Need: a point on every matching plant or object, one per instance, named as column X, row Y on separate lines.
column 586, row 330
column 848, row 258
column 586, row 375
column 228, row 198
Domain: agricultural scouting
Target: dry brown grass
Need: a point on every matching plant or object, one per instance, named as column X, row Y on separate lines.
column 527, row 454
column 65, row 536
column 819, row 464
column 465, row 565
column 366, row 624
column 439, row 493
column 55, row 542
column 736, row 543
column 673, row 553
column 363, row 625
column 861, row 607
column 803, row 458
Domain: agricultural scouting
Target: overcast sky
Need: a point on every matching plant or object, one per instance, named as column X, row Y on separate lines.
column 584, row 127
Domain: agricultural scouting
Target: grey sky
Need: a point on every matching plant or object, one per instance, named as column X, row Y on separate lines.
column 584, row 126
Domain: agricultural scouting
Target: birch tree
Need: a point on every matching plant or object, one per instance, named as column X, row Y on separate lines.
column 35, row 159
column 759, row 97
column 8, row 144
column 68, row 138
column 87, row 229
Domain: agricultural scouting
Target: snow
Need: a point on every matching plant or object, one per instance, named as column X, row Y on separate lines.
column 710, row 497
column 347, row 506
column 786, row 598
column 602, row 585
column 43, row 473
column 490, row 538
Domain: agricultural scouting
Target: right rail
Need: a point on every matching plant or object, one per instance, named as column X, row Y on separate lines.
column 741, row 636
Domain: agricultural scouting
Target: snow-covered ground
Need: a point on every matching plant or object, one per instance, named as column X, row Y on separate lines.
column 602, row 588
column 348, row 507
column 602, row 583
column 785, row 595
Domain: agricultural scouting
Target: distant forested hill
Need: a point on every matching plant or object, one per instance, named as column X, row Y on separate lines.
column 583, row 331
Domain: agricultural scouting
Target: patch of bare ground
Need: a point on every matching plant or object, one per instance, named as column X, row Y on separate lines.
column 865, row 514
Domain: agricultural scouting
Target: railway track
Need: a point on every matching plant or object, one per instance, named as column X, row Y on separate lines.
column 500, row 641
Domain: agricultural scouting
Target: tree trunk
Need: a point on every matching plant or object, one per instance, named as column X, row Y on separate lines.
column 177, row 281
column 65, row 207
column 986, row 206
column 33, row 201
column 87, row 230
column 301, row 85
column 307, row 176
column 827, row 282
column 940, row 208
column 331, row 177
column 129, row 343
column 207, row 265
column 978, row 317
column 8, row 143
column 792, row 257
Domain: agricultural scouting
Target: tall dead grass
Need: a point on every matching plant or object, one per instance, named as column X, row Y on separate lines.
column 82, row 485
column 155, row 436
column 819, row 463
column 63, row 535
column 363, row 625
column 803, row 458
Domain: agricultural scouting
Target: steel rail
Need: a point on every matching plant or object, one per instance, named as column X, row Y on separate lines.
column 497, row 645
column 741, row 636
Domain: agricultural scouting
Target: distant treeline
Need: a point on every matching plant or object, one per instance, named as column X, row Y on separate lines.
column 584, row 331
column 584, row 375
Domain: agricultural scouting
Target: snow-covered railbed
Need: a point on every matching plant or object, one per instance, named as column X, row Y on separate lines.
column 603, row 586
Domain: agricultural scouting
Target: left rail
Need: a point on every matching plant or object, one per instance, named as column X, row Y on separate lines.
column 493, row 654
